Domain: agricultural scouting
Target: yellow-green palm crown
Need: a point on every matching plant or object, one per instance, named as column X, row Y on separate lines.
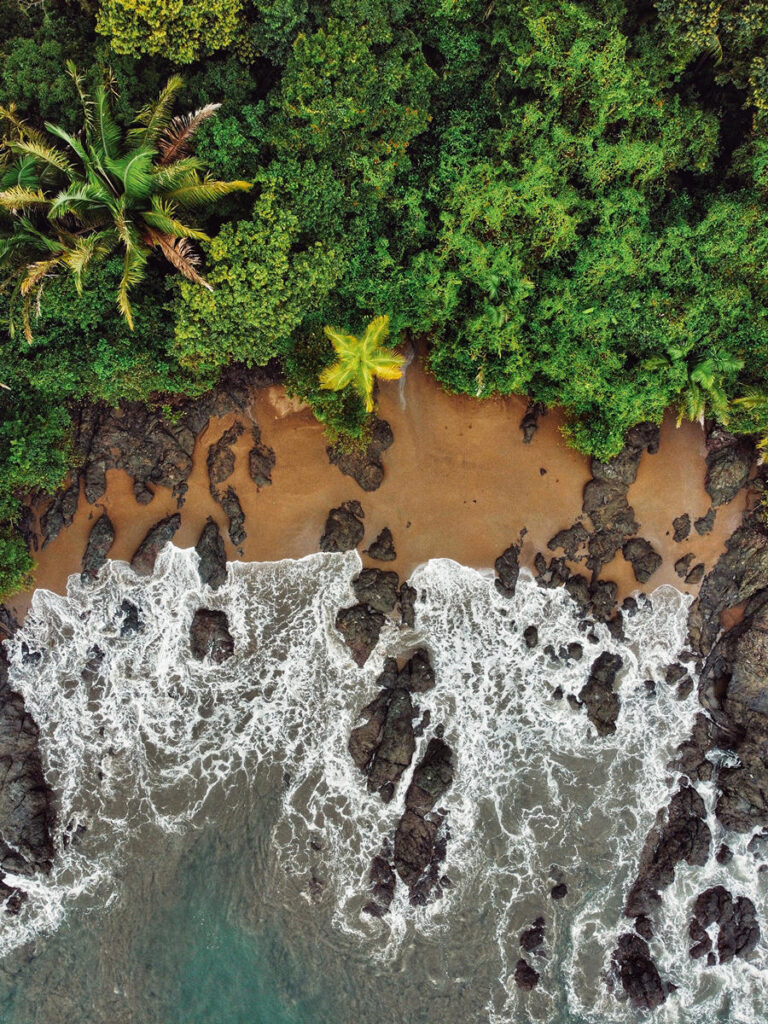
column 360, row 360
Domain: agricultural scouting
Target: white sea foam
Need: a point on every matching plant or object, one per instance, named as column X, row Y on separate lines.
column 144, row 739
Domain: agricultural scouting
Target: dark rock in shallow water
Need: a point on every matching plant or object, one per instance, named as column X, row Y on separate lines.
column 360, row 627
column 131, row 619
column 365, row 467
column 432, row 777
column 143, row 561
column 638, row 973
column 729, row 460
column 531, row 636
column 598, row 695
column 415, row 840
column 209, row 636
column 383, row 882
column 739, row 932
column 682, row 527
column 383, row 548
column 683, row 835
column 559, row 891
column 221, row 458
column 644, row 927
column 233, row 510
column 529, row 424
column 212, row 567
column 533, row 938
column 364, row 740
column 417, row 675
column 397, row 744
column 706, row 523
column 602, row 594
column 100, row 540
column 343, row 528
column 61, row 511
column 569, row 540
column 261, row 460
column 644, row 560
column 724, row 854
column 407, row 600
column 376, row 588
column 526, row 977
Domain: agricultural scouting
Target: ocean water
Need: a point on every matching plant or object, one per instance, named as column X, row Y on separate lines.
column 214, row 836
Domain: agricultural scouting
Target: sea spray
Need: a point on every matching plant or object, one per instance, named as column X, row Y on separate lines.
column 137, row 735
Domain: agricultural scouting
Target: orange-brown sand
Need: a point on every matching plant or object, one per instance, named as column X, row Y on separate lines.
column 459, row 483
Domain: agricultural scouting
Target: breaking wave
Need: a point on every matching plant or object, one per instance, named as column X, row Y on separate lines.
column 137, row 736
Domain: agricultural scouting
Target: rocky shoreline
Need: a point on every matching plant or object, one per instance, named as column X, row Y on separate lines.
column 731, row 664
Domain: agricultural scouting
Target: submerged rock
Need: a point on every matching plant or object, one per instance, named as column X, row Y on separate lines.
column 143, row 561
column 212, row 565
column 526, row 977
column 738, row 930
column 407, row 601
column 706, row 523
column 210, row 637
column 343, row 528
column 532, row 938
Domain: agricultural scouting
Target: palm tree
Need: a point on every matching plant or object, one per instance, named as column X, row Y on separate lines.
column 104, row 190
column 703, row 387
column 361, row 360
column 755, row 402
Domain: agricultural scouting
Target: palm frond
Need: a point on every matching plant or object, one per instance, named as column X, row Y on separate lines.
column 17, row 199
column 133, row 173
column 84, row 200
column 74, row 144
column 174, row 141
column 85, row 250
column 85, row 99
column 49, row 156
column 754, row 399
column 22, row 129
column 22, row 173
column 106, row 131
column 204, row 192
column 36, row 272
column 181, row 255
column 134, row 264
column 155, row 116
column 162, row 217
column 182, row 172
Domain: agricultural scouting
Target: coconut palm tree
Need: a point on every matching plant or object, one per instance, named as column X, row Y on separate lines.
column 361, row 360
column 104, row 190
column 703, row 387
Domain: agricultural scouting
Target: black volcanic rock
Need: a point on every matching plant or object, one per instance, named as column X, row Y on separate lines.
column 729, row 460
column 233, row 510
column 508, row 569
column 365, row 467
column 644, row 560
column 682, row 527
column 61, row 511
column 143, row 561
column 407, row 602
column 221, row 458
column 377, row 588
column 526, row 977
column 343, row 528
column 100, row 540
column 529, row 424
column 598, row 695
column 212, row 567
column 383, row 548
column 209, row 636
column 261, row 459
column 706, row 523
column 569, row 540
column 638, row 973
column 360, row 627
column 432, row 777
column 397, row 745
column 417, row 675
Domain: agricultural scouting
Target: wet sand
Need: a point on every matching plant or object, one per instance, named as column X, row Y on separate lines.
column 459, row 483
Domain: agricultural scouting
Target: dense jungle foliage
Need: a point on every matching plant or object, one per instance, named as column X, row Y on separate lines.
column 560, row 199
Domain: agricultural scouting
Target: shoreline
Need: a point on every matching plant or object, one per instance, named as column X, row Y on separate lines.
column 443, row 493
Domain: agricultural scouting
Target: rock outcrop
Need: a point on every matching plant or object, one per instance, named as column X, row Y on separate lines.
column 598, row 695
column 261, row 459
column 738, row 931
column 209, row 636
column 143, row 561
column 641, row 555
column 365, row 466
column 360, row 627
column 383, row 548
column 100, row 540
column 637, row 972
column 729, row 461
column 343, row 528
column 212, row 566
